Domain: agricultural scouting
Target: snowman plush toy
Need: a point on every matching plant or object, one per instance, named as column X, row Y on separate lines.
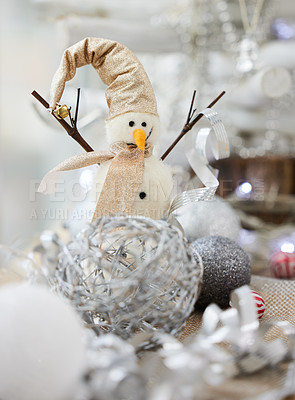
column 130, row 179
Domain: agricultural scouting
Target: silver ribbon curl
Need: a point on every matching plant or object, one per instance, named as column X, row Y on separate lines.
column 199, row 162
column 241, row 329
column 202, row 360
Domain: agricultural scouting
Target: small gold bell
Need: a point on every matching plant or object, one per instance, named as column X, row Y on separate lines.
column 61, row 112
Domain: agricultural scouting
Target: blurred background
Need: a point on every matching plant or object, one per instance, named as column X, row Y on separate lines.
column 244, row 47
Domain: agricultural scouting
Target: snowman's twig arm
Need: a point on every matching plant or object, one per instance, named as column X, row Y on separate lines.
column 189, row 124
column 191, row 111
column 77, row 108
column 71, row 130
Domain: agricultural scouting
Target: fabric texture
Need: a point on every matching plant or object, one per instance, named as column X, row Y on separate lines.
column 128, row 86
column 123, row 180
column 279, row 297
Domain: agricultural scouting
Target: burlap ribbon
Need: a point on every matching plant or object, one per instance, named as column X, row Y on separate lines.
column 122, row 182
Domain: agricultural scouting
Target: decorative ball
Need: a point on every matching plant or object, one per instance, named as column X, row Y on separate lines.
column 42, row 354
column 209, row 218
column 226, row 267
column 259, row 302
column 282, row 265
column 126, row 274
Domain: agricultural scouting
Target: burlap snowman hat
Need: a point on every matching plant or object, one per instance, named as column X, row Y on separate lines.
column 128, row 86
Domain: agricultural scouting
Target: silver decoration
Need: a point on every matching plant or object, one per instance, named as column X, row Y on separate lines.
column 226, row 267
column 129, row 274
column 49, row 248
column 182, row 371
column 248, row 54
column 208, row 218
column 202, row 364
column 197, row 158
column 230, row 344
column 112, row 370
column 17, row 266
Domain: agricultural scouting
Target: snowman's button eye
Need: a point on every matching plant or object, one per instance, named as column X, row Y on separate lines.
column 142, row 195
column 131, row 123
column 143, row 124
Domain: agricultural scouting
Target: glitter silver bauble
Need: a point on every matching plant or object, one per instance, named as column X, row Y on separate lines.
column 208, row 218
column 126, row 274
column 226, row 267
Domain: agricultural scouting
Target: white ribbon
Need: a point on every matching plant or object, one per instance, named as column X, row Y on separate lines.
column 246, row 351
column 198, row 160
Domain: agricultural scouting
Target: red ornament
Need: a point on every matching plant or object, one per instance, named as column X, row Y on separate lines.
column 282, row 265
column 259, row 303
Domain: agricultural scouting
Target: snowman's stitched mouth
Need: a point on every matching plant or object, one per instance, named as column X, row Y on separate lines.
column 149, row 134
column 133, row 144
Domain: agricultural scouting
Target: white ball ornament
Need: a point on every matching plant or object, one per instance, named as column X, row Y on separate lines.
column 41, row 345
column 209, row 218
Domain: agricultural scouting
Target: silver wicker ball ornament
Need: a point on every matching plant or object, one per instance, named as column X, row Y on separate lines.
column 226, row 267
column 129, row 274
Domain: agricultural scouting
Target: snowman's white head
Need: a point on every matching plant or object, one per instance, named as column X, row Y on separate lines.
column 133, row 127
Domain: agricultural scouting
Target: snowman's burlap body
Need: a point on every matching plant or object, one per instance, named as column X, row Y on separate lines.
column 123, row 180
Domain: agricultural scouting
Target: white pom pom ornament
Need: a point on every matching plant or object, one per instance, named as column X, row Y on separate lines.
column 42, row 354
column 209, row 218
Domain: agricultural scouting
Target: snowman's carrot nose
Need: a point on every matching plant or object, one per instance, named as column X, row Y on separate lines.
column 139, row 137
